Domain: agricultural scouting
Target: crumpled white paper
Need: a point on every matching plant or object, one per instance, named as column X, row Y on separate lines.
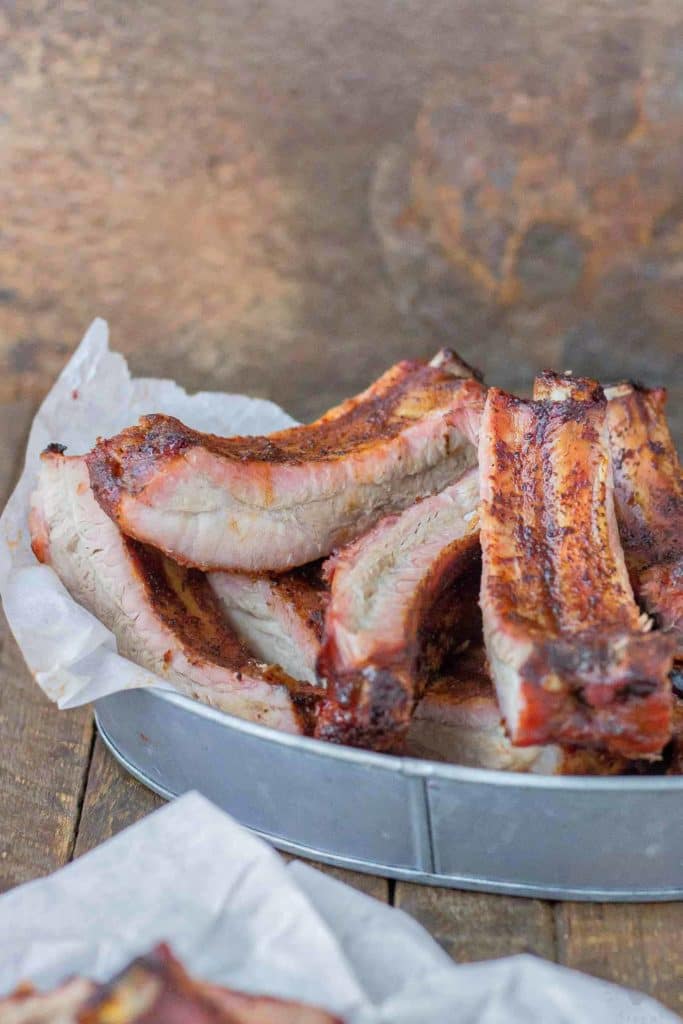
column 71, row 654
column 236, row 915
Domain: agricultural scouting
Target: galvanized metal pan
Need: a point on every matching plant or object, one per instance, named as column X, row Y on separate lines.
column 556, row 837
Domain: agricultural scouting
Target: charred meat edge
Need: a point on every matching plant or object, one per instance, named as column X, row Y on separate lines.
column 164, row 617
column 458, row 721
column 648, row 492
column 571, row 655
column 154, row 987
column 400, row 597
column 271, row 503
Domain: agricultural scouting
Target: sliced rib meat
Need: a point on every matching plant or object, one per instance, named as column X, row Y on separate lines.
column 271, row 503
column 675, row 759
column 400, row 596
column 458, row 721
column 60, row 1006
column 280, row 618
column 648, row 491
column 570, row 652
column 153, row 989
column 164, row 617
column 157, row 988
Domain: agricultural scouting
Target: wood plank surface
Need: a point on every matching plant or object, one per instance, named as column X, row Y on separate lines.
column 113, row 801
column 44, row 753
column 632, row 944
column 480, row 926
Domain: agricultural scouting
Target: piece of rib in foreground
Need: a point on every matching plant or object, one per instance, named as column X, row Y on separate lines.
column 648, row 492
column 571, row 655
column 399, row 598
column 271, row 503
column 164, row 617
column 157, row 988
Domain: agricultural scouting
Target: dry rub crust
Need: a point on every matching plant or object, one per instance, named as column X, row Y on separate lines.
column 153, row 989
column 571, row 655
column 361, row 444
column 184, row 602
column 648, row 491
column 458, row 721
column 401, row 598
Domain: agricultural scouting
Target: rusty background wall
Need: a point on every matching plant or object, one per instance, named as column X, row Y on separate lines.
column 286, row 197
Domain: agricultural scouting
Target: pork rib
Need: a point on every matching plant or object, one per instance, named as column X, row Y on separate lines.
column 458, row 721
column 399, row 596
column 164, row 617
column 154, row 988
column 570, row 653
column 648, row 491
column 62, row 1005
column 280, row 618
column 271, row 503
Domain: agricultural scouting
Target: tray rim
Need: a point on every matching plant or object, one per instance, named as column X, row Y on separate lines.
column 428, row 770
column 381, row 870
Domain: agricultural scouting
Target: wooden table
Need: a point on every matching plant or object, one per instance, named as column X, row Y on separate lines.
column 271, row 200
column 62, row 793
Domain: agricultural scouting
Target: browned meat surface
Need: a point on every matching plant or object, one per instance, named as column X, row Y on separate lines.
column 164, row 617
column 648, row 492
column 675, row 759
column 400, row 596
column 60, row 1006
column 458, row 720
column 280, row 617
column 154, row 989
column 571, row 655
column 271, row 503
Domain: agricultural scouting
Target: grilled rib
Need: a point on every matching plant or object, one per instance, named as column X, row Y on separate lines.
column 570, row 653
column 458, row 721
column 280, row 618
column 60, row 1006
column 164, row 617
column 399, row 598
column 648, row 491
column 271, row 503
column 153, row 989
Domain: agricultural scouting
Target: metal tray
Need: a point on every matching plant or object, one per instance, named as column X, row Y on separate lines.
column 568, row 837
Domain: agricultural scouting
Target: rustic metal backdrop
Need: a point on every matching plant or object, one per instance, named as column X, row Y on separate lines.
column 286, row 197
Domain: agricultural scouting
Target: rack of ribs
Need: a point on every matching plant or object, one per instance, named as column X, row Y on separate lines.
column 164, row 617
column 400, row 597
column 573, row 659
column 648, row 491
column 270, row 503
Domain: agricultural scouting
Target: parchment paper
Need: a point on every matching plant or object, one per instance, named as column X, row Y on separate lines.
column 235, row 914
column 71, row 654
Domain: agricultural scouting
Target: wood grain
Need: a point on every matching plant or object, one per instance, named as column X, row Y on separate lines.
column 371, row 885
column 113, row 801
column 44, row 752
column 479, row 926
column 637, row 945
